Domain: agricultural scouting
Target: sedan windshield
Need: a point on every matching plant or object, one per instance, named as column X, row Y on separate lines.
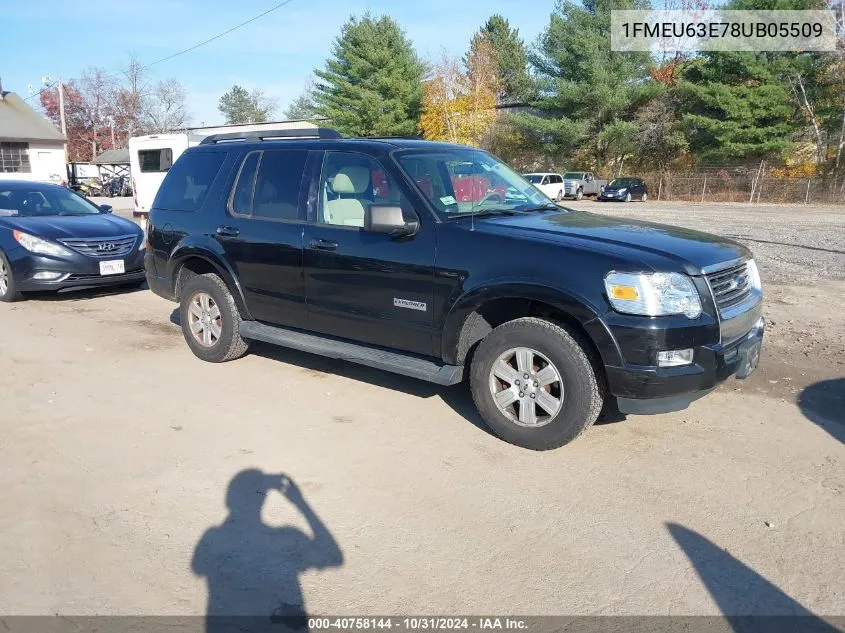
column 621, row 182
column 31, row 200
column 466, row 181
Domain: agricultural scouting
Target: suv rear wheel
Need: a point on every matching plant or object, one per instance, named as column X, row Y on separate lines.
column 210, row 320
column 534, row 384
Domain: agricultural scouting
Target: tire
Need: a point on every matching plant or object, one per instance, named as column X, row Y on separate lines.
column 8, row 286
column 579, row 391
column 559, row 196
column 579, row 194
column 228, row 345
column 644, row 198
column 627, row 197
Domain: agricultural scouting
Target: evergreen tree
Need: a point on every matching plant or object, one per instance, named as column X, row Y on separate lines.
column 240, row 106
column 589, row 94
column 510, row 55
column 372, row 84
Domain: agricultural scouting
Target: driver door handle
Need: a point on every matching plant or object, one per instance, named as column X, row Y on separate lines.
column 227, row 231
column 323, row 245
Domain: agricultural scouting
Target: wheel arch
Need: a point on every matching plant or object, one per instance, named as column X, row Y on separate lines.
column 479, row 312
column 188, row 260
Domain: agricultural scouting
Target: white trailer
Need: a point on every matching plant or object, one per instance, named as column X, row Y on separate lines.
column 149, row 159
column 151, row 156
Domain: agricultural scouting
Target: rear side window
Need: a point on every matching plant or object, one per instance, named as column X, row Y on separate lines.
column 273, row 193
column 155, row 160
column 242, row 194
column 188, row 181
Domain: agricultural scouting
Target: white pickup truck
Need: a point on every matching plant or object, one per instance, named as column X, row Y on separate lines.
column 577, row 184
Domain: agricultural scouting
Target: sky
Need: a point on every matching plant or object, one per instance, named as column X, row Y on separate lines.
column 276, row 54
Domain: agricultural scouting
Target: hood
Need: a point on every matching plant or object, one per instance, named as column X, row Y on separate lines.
column 688, row 250
column 57, row 227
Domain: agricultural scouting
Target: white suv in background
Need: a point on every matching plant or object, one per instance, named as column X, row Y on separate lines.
column 549, row 184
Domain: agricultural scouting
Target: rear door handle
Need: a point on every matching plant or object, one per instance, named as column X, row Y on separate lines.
column 227, row 231
column 324, row 245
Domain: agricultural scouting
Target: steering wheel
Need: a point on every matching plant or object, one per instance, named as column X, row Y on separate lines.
column 493, row 193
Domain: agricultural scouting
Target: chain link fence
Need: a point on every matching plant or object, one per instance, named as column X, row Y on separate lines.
column 745, row 187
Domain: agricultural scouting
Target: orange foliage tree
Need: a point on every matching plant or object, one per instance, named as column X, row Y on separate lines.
column 459, row 99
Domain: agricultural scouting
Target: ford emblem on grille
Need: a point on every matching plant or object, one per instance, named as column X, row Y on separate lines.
column 107, row 246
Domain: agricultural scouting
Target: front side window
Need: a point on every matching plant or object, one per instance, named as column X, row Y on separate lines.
column 155, row 160
column 352, row 183
column 458, row 181
column 188, row 181
column 14, row 158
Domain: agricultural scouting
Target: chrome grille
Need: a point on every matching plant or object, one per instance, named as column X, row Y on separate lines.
column 102, row 247
column 730, row 286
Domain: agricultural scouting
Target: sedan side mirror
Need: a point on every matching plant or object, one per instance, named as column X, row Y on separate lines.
column 388, row 219
column 106, row 208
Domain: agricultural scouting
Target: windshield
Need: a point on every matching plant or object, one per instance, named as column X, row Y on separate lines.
column 534, row 179
column 465, row 181
column 621, row 182
column 573, row 175
column 37, row 200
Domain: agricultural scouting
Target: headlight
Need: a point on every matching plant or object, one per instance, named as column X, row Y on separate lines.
column 754, row 276
column 41, row 247
column 623, row 190
column 653, row 294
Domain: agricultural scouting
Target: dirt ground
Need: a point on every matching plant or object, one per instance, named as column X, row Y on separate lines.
column 139, row 480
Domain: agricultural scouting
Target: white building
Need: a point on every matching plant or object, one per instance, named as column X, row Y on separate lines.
column 31, row 148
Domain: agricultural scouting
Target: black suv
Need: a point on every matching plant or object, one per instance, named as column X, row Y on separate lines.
column 438, row 261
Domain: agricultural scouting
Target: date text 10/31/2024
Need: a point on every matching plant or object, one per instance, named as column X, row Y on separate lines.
column 416, row 623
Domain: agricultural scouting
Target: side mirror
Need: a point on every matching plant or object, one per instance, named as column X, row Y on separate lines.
column 388, row 219
column 106, row 208
column 589, row 177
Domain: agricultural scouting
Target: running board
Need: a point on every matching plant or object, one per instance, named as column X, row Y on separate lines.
column 398, row 363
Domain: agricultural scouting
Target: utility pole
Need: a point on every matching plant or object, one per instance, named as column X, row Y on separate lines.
column 62, row 121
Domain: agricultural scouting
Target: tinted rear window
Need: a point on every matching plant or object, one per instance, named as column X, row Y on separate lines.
column 188, row 181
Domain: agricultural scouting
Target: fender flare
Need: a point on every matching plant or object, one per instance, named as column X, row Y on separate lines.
column 212, row 254
column 579, row 309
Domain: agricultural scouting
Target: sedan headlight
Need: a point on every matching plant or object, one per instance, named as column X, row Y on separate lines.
column 653, row 294
column 40, row 246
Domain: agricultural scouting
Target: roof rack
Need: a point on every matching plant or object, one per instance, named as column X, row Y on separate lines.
column 260, row 135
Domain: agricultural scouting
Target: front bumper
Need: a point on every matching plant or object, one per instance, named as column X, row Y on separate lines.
column 77, row 271
column 646, row 389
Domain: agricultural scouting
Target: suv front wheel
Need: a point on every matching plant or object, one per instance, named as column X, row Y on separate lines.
column 534, row 384
column 210, row 320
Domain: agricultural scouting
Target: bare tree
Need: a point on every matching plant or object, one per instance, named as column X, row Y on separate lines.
column 164, row 110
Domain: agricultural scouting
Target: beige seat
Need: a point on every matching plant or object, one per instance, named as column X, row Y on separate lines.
column 348, row 209
column 267, row 204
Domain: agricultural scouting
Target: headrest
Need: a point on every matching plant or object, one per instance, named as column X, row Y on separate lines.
column 351, row 179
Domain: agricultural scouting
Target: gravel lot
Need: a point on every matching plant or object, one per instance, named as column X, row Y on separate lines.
column 133, row 478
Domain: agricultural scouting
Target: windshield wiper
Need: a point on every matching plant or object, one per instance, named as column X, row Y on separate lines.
column 542, row 207
column 483, row 214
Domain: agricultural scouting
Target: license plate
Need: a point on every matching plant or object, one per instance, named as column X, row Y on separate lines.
column 114, row 267
column 749, row 358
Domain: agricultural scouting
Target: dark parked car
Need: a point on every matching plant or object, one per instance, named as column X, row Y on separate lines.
column 625, row 189
column 52, row 238
column 365, row 250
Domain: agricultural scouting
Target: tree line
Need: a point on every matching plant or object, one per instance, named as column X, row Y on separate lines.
column 565, row 100
column 102, row 110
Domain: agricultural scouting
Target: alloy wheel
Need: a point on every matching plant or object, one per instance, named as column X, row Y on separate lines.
column 526, row 387
column 204, row 319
